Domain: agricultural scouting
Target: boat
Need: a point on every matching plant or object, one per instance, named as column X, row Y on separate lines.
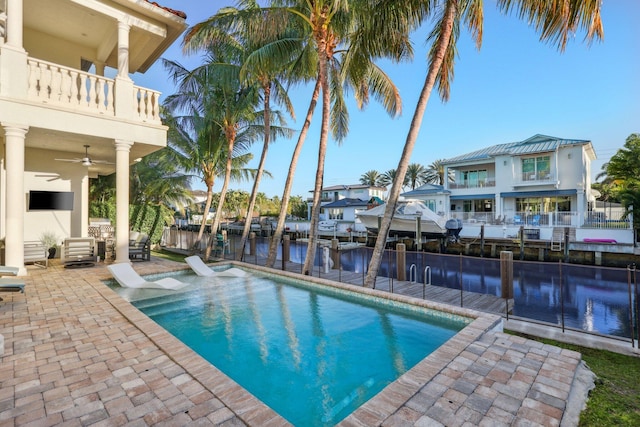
column 404, row 222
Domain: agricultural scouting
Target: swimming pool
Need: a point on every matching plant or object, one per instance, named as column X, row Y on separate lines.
column 312, row 354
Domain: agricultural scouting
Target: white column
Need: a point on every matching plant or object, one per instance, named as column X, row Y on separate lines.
column 123, row 90
column 15, row 195
column 123, row 49
column 14, row 24
column 99, row 68
column 122, row 200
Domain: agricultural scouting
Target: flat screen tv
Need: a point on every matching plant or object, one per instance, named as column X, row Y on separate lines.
column 50, row 200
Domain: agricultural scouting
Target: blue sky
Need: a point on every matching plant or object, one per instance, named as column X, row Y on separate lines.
column 513, row 88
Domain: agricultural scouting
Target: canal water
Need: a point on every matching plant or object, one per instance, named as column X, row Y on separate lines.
column 593, row 299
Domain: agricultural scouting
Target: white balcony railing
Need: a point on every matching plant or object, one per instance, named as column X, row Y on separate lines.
column 58, row 85
column 55, row 84
column 146, row 104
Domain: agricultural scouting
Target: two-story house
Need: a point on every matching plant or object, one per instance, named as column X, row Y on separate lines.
column 542, row 180
column 60, row 113
column 342, row 202
column 542, row 183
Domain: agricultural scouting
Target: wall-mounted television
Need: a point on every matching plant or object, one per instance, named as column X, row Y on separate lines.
column 50, row 200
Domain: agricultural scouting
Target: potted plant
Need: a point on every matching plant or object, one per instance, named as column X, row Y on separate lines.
column 50, row 241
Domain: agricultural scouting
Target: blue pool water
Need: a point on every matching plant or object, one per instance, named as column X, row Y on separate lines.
column 311, row 354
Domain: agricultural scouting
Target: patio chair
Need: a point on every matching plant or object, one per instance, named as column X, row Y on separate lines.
column 202, row 269
column 517, row 220
column 79, row 252
column 10, row 284
column 141, row 246
column 127, row 277
column 535, row 220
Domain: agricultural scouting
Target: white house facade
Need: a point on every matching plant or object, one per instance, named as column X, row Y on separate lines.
column 342, row 202
column 542, row 183
column 57, row 108
column 541, row 180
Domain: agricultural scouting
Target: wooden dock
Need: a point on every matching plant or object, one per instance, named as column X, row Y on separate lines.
column 472, row 300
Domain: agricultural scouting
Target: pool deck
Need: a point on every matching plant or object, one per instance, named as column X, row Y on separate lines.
column 77, row 354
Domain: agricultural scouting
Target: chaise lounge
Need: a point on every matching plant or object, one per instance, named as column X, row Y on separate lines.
column 10, row 284
column 202, row 269
column 127, row 277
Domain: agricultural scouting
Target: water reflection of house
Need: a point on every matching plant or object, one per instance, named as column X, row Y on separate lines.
column 56, row 102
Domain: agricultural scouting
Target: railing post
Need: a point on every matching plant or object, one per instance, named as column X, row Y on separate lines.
column 335, row 253
column 401, row 261
column 506, row 277
column 252, row 243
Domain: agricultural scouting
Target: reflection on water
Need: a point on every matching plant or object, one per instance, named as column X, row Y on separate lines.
column 593, row 299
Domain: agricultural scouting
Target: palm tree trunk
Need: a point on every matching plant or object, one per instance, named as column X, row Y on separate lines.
column 322, row 150
column 392, row 201
column 207, row 206
column 286, row 195
column 223, row 195
column 256, row 182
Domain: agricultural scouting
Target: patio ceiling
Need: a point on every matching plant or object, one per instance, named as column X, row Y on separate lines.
column 94, row 24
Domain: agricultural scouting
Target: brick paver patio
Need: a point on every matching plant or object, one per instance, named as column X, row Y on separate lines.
column 77, row 354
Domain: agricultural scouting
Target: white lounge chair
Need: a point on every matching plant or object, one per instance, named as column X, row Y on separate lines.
column 202, row 269
column 10, row 284
column 127, row 277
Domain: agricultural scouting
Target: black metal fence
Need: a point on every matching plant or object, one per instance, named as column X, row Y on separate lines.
column 590, row 299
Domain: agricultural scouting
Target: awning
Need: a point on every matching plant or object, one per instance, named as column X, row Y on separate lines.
column 473, row 197
column 549, row 193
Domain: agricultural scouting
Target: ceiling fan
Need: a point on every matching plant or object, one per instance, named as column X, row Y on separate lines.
column 86, row 160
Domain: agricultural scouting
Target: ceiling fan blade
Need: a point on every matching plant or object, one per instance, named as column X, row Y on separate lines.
column 69, row 160
column 102, row 162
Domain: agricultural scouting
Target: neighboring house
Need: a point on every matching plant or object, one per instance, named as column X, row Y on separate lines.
column 59, row 113
column 434, row 196
column 341, row 202
column 542, row 183
column 542, row 180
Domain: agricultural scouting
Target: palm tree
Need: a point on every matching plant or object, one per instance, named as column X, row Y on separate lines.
column 371, row 178
column 325, row 25
column 415, row 175
column 389, row 177
column 237, row 28
column 196, row 138
column 157, row 180
column 434, row 174
column 556, row 22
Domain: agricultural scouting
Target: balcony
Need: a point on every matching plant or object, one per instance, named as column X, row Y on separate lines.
column 65, row 87
column 536, row 178
column 486, row 183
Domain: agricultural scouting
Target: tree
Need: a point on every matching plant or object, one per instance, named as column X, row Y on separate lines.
column 555, row 21
column 237, row 28
column 623, row 172
column 371, row 178
column 325, row 25
column 389, row 177
column 416, row 175
column 434, row 173
column 195, row 138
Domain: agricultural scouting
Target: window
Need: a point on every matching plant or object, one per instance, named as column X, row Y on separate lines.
column 534, row 168
column 337, row 214
column 431, row 204
column 474, row 178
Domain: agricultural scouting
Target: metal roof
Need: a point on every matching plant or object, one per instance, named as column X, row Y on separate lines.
column 536, row 144
column 426, row 190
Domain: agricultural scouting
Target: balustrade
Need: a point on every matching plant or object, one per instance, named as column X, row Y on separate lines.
column 55, row 84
